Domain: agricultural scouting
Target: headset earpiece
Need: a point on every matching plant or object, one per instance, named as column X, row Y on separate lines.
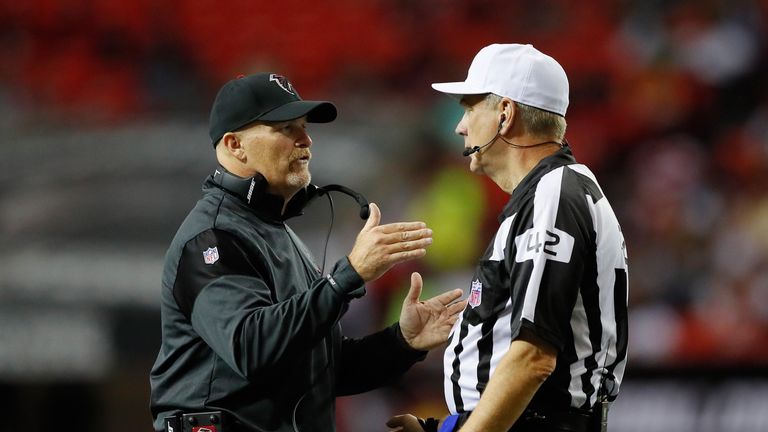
column 501, row 122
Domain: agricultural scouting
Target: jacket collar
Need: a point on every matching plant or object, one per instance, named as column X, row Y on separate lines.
column 252, row 192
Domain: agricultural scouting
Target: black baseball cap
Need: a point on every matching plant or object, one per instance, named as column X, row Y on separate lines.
column 264, row 97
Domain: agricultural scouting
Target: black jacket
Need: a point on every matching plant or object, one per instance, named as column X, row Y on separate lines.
column 251, row 327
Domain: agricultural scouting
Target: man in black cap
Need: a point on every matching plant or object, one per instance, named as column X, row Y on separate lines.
column 250, row 327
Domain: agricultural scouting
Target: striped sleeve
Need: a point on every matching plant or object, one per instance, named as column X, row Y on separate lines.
column 554, row 252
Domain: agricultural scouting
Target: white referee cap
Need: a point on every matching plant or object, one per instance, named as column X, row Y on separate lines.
column 519, row 72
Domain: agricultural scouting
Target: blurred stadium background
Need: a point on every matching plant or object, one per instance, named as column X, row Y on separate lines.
column 104, row 147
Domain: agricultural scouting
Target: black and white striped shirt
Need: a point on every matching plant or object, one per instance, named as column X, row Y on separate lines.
column 558, row 266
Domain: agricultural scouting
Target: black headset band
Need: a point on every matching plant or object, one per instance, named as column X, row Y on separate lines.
column 241, row 187
column 245, row 188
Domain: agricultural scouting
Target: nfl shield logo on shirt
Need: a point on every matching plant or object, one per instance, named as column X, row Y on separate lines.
column 211, row 255
column 476, row 293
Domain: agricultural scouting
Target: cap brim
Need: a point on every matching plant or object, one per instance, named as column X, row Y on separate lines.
column 316, row 112
column 458, row 89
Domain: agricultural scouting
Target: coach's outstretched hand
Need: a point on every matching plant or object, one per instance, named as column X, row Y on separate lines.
column 379, row 247
column 426, row 324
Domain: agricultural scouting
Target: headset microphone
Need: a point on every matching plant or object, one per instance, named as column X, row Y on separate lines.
column 475, row 149
column 469, row 151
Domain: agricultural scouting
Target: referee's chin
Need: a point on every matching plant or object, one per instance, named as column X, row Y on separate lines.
column 475, row 166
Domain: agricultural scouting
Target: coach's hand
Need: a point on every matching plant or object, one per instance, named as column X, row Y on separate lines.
column 379, row 247
column 426, row 324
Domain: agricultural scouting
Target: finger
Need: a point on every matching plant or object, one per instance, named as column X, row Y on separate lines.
column 406, row 246
column 401, row 226
column 415, row 291
column 451, row 308
column 399, row 257
column 448, row 297
column 395, row 421
column 456, row 307
column 374, row 218
column 401, row 236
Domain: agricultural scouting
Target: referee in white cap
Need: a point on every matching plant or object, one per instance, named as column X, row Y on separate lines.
column 542, row 344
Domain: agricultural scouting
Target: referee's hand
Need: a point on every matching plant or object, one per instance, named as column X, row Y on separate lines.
column 379, row 247
column 411, row 423
column 405, row 423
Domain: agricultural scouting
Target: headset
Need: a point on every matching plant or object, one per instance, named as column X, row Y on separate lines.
column 365, row 209
column 475, row 149
column 243, row 188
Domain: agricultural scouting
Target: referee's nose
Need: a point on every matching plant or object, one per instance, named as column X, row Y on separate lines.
column 461, row 126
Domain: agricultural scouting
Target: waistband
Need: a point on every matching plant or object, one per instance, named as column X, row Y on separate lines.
column 533, row 420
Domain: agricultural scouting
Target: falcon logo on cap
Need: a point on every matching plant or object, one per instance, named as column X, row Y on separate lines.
column 283, row 83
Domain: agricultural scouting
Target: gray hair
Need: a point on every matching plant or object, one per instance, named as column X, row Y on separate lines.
column 535, row 121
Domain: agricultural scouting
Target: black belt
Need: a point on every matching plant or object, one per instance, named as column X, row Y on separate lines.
column 537, row 421
column 566, row 421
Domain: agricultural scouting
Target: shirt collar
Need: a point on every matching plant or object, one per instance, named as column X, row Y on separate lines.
column 564, row 156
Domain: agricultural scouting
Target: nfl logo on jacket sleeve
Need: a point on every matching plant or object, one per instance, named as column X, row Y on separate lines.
column 211, row 255
column 476, row 293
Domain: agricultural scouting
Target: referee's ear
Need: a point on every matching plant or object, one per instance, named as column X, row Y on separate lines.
column 508, row 112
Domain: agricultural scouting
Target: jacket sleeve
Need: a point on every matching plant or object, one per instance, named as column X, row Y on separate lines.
column 374, row 360
column 232, row 308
